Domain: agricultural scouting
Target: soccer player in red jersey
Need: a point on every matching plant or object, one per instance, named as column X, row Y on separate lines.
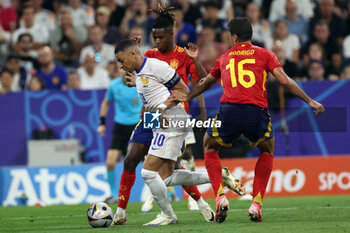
column 243, row 70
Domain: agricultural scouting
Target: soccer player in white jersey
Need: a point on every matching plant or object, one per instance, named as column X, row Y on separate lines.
column 154, row 80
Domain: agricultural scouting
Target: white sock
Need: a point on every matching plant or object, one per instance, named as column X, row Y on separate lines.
column 185, row 177
column 158, row 190
column 201, row 202
column 120, row 211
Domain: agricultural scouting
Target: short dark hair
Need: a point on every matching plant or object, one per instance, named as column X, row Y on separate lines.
column 123, row 45
column 23, row 35
column 242, row 28
column 5, row 70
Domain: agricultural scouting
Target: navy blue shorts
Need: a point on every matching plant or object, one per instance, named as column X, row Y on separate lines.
column 145, row 136
column 141, row 135
column 252, row 121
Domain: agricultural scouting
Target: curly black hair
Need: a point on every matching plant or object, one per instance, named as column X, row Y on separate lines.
column 165, row 17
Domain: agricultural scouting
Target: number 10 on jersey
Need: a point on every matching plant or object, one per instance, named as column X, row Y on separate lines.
column 241, row 72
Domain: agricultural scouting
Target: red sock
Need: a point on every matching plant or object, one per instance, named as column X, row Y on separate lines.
column 263, row 170
column 126, row 182
column 214, row 168
column 192, row 190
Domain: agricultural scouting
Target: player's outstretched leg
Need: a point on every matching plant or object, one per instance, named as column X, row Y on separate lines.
column 135, row 154
column 159, row 192
column 262, row 171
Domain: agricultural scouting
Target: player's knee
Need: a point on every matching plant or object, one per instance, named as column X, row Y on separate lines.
column 148, row 174
column 210, row 144
column 130, row 164
column 267, row 146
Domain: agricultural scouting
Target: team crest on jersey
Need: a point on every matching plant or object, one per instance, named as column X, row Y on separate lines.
column 144, row 81
column 180, row 49
column 55, row 80
column 184, row 37
column 174, row 63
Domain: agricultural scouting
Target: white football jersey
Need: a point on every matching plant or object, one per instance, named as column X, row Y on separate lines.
column 152, row 80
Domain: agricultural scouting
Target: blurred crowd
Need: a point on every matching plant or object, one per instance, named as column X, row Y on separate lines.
column 69, row 44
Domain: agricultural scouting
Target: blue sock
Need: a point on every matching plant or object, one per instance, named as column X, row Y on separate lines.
column 111, row 177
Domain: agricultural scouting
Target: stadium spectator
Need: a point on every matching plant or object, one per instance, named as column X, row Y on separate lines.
column 346, row 48
column 184, row 32
column 67, row 40
column 53, row 76
column 43, row 16
column 208, row 35
column 240, row 7
column 322, row 35
column 346, row 72
column 208, row 55
column 110, row 32
column 137, row 14
column 5, row 38
column 73, row 81
column 296, row 23
column 20, row 75
column 317, row 52
column 211, row 19
column 289, row 41
column 137, row 31
column 8, row 18
column 289, row 67
column 28, row 56
column 103, row 52
column 36, row 84
column 39, row 32
column 316, row 70
column 227, row 12
column 192, row 13
column 91, row 75
column 112, row 69
column 82, row 14
column 261, row 27
column 335, row 22
column 277, row 9
column 6, row 80
column 118, row 11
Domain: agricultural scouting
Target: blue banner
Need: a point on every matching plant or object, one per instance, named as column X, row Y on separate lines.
column 74, row 114
column 63, row 185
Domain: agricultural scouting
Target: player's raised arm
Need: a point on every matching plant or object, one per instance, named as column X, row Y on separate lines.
column 193, row 53
column 294, row 88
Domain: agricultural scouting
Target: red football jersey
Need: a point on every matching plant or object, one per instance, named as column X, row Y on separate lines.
column 180, row 61
column 243, row 70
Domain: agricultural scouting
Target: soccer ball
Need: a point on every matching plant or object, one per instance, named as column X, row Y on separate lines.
column 99, row 215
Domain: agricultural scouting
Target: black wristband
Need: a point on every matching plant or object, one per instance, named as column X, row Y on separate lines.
column 102, row 120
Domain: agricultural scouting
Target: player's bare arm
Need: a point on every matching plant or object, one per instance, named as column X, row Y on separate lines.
column 193, row 53
column 201, row 103
column 202, row 86
column 103, row 112
column 180, row 88
column 294, row 88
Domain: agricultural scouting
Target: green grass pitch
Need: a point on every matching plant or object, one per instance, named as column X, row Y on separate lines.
column 291, row 214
